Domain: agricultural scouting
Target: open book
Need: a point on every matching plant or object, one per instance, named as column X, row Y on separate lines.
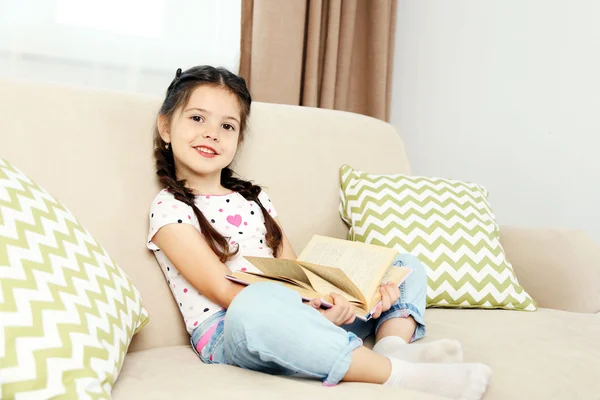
column 352, row 269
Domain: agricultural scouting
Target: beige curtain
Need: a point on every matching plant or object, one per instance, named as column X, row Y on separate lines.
column 333, row 54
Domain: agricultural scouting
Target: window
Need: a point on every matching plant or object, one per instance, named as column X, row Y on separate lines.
column 128, row 45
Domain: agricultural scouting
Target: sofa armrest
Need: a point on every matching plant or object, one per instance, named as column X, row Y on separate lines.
column 560, row 269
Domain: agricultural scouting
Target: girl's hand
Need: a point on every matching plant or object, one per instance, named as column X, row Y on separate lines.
column 341, row 313
column 390, row 293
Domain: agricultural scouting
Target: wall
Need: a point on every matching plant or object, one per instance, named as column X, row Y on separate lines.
column 505, row 93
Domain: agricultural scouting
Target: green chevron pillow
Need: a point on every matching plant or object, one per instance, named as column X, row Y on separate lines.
column 447, row 224
column 67, row 311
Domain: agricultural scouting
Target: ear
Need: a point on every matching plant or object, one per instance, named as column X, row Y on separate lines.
column 162, row 122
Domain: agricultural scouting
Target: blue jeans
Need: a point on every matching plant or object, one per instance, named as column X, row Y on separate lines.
column 267, row 328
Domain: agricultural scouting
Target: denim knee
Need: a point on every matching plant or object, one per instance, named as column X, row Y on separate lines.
column 256, row 305
column 267, row 328
column 413, row 295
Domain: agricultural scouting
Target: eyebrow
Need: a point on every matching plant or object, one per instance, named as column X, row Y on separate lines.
column 208, row 112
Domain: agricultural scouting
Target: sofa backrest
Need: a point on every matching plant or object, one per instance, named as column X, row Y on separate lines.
column 93, row 151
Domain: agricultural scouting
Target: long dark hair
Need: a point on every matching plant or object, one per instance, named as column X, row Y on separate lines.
column 178, row 94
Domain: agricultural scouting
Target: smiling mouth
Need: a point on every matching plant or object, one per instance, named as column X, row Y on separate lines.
column 206, row 151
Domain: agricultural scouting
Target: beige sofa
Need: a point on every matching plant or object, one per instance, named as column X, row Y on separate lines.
column 92, row 150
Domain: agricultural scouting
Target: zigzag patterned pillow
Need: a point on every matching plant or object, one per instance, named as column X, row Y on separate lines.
column 447, row 224
column 67, row 311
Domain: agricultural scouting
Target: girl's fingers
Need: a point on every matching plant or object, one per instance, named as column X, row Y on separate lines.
column 397, row 291
column 345, row 315
column 350, row 316
column 340, row 317
column 340, row 320
column 334, row 314
column 393, row 292
column 338, row 299
column 385, row 299
column 377, row 312
column 344, row 311
column 316, row 303
column 341, row 314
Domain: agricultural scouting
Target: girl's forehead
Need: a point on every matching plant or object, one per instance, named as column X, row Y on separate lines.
column 214, row 99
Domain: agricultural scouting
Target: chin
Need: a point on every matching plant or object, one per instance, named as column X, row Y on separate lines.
column 207, row 171
column 206, row 167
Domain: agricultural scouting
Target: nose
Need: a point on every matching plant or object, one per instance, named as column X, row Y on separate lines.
column 212, row 134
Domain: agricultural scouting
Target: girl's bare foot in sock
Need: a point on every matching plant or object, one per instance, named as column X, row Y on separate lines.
column 457, row 381
column 440, row 351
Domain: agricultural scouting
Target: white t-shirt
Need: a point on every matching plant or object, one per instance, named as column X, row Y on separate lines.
column 240, row 221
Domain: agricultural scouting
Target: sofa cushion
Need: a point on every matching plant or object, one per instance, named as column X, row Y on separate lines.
column 67, row 311
column 177, row 373
column 543, row 355
column 547, row 354
column 538, row 256
column 447, row 224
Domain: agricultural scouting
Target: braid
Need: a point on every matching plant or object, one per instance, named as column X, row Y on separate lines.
column 165, row 169
column 250, row 193
column 245, row 188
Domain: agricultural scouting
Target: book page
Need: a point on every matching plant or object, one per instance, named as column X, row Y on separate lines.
column 337, row 278
column 280, row 267
column 280, row 279
column 364, row 264
column 396, row 275
column 321, row 285
column 254, row 278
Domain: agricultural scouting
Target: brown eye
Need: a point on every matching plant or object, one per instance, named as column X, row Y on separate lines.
column 228, row 127
column 197, row 118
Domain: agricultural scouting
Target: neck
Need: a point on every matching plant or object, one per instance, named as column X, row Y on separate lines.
column 210, row 184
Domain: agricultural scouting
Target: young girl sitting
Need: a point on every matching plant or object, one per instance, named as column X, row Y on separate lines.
column 206, row 219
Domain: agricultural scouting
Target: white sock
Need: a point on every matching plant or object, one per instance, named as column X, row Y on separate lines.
column 456, row 381
column 440, row 351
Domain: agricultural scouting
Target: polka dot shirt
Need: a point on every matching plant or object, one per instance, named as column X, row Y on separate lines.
column 240, row 221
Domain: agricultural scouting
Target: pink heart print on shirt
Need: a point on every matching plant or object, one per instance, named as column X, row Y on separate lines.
column 235, row 220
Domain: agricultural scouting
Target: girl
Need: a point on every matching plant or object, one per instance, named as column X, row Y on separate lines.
column 206, row 219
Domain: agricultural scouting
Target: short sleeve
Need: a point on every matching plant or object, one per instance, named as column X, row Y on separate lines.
column 267, row 203
column 165, row 210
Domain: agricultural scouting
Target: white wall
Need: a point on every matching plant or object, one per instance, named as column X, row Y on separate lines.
column 505, row 93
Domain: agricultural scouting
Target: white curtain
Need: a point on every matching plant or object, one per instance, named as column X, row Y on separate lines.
column 126, row 45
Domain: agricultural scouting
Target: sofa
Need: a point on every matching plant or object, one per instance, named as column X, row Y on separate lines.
column 92, row 150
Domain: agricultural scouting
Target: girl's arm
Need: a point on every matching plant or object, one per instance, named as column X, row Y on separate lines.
column 287, row 251
column 194, row 259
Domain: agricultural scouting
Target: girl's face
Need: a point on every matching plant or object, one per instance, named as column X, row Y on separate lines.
column 204, row 133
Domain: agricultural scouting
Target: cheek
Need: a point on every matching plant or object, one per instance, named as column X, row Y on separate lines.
column 231, row 142
column 182, row 134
